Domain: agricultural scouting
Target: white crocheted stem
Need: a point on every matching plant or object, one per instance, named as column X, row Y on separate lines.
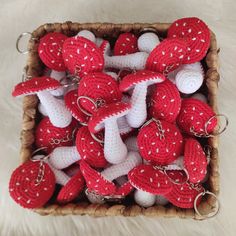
column 58, row 75
column 113, row 172
column 147, row 42
column 135, row 61
column 144, row 199
column 123, row 125
column 200, row 97
column 161, row 200
column 62, row 157
column 42, row 109
column 138, row 113
column 114, row 149
column 188, row 81
column 57, row 112
column 131, row 144
column 87, row 34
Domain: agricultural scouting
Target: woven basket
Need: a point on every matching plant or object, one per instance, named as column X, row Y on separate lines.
column 34, row 67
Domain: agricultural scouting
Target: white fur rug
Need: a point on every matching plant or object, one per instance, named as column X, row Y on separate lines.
column 17, row 16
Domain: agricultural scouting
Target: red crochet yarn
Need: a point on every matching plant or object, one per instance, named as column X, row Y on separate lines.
column 72, row 189
column 195, row 161
column 167, row 56
column 35, row 85
column 90, row 150
column 99, row 87
column 160, row 151
column 193, row 117
column 195, row 33
column 125, row 189
column 81, row 56
column 71, row 104
column 49, row 136
column 126, row 43
column 149, row 179
column 183, row 195
column 165, row 102
column 24, row 188
column 50, row 50
column 95, row 181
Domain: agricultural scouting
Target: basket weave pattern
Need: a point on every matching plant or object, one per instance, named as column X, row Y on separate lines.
column 34, row 67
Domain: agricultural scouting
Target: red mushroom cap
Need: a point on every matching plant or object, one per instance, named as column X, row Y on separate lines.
column 81, row 56
column 177, row 176
column 141, row 76
column 149, row 179
column 71, row 104
column 183, row 195
column 125, row 189
column 35, row 85
column 195, row 160
column 95, row 181
column 167, row 56
column 113, row 110
column 105, row 47
column 98, row 86
column 23, row 188
column 126, row 43
column 196, row 34
column 50, row 50
column 161, row 151
column 90, row 150
column 72, row 188
column 49, row 136
column 195, row 114
column 166, row 102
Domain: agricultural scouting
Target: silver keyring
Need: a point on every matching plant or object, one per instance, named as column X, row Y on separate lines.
column 19, row 39
column 89, row 99
column 211, row 214
column 96, row 138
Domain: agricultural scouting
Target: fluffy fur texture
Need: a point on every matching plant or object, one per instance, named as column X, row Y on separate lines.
column 220, row 16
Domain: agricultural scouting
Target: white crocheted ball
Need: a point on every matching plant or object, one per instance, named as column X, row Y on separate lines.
column 87, row 34
column 144, row 199
column 147, row 42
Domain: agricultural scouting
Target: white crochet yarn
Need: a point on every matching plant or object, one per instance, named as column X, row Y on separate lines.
column 42, row 109
column 138, row 113
column 94, row 198
column 144, row 199
column 61, row 177
column 177, row 164
column 57, row 112
column 135, row 61
column 131, row 144
column 188, row 81
column 200, row 97
column 62, row 157
column 58, row 75
column 113, row 172
column 99, row 41
column 123, row 125
column 87, row 34
column 161, row 200
column 147, row 42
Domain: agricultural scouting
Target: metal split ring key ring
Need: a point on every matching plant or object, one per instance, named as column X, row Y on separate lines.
column 19, row 39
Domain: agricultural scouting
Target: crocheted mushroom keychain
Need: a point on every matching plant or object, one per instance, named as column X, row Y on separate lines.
column 32, row 184
column 101, row 182
column 57, row 112
column 149, row 182
column 72, row 186
column 125, row 44
column 139, row 81
column 82, row 56
column 165, row 102
column 160, row 142
column 195, row 33
column 167, row 56
column 49, row 137
column 87, row 149
column 106, row 118
column 196, row 118
column 97, row 89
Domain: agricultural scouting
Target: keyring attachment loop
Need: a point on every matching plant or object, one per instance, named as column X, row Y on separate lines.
column 55, row 141
column 25, row 77
column 19, row 39
column 98, row 139
column 38, row 150
column 98, row 103
column 177, row 180
column 206, row 134
column 211, row 214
